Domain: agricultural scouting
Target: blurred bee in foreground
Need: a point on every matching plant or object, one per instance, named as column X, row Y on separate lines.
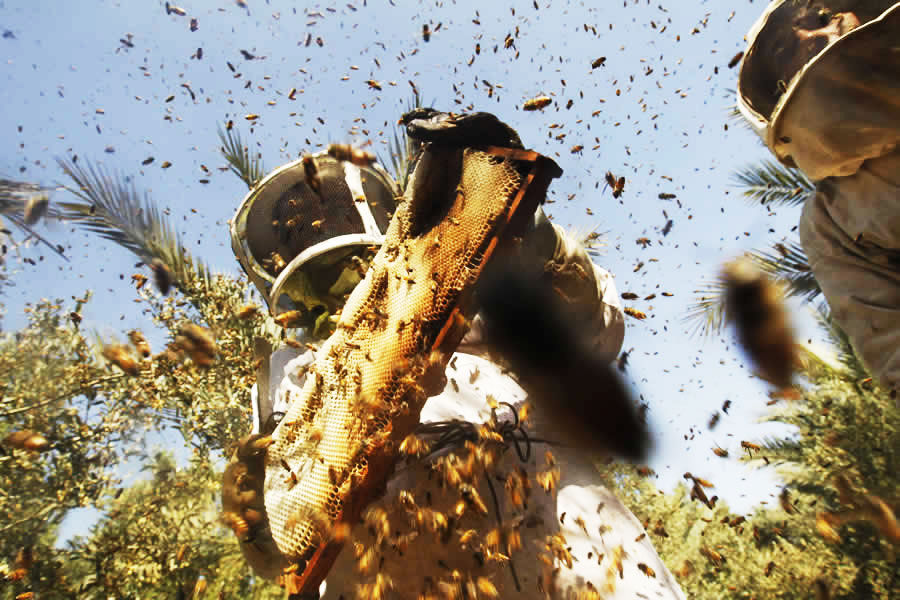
column 537, row 103
column 755, row 305
column 347, row 153
column 140, row 342
column 27, row 440
column 36, row 208
column 162, row 276
column 198, row 343
column 120, row 355
column 311, row 170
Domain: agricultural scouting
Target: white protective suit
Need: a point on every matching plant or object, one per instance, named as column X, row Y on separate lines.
column 839, row 122
column 599, row 530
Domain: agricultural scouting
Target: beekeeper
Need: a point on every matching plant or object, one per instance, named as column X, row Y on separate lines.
column 820, row 83
column 306, row 250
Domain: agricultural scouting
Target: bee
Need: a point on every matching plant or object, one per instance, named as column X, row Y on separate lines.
column 735, row 59
column 750, row 447
column 426, row 32
column 289, row 319
column 25, row 596
column 119, row 355
column 720, row 452
column 373, row 84
column 784, row 499
column 27, row 440
column 712, row 556
column 537, row 103
column 633, row 312
column 162, row 276
column 646, row 570
column 347, row 153
column 666, row 196
column 247, row 311
column 199, row 587
column 182, row 550
column 755, row 306
column 413, row 445
column 668, row 227
column 769, row 568
column 198, row 343
column 140, row 342
column 725, row 406
column 576, row 149
column 598, row 62
column 486, row 589
column 36, row 208
column 236, row 523
column 311, row 173
column 714, row 420
column 171, row 9
column 165, row 164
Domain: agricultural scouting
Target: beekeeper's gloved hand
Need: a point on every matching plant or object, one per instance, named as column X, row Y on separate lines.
column 448, row 129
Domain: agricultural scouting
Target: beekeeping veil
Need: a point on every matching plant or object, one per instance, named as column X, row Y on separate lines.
column 302, row 247
column 824, row 103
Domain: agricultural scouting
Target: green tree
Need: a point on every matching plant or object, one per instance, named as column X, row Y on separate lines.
column 846, row 429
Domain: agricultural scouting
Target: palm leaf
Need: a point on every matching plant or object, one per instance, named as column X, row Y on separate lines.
column 249, row 168
column 773, row 183
column 789, row 265
column 786, row 264
column 707, row 313
column 14, row 197
column 111, row 207
column 845, row 352
column 403, row 150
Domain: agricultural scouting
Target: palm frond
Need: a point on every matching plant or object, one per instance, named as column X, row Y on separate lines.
column 773, row 183
column 788, row 264
column 248, row 167
column 14, row 198
column 403, row 150
column 707, row 314
column 846, row 354
column 111, row 207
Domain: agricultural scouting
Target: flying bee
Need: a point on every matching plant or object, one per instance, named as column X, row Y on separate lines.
column 725, row 406
column 756, row 307
column 171, row 9
column 36, row 208
column 140, row 342
column 311, row 173
column 139, row 280
column 120, row 355
column 289, row 319
column 25, row 596
column 162, row 276
column 735, row 59
column 784, row 499
column 720, row 452
column 247, row 311
column 714, row 420
column 537, row 103
column 198, row 343
column 347, row 153
column 426, row 32
column 27, row 440
column 199, row 587
column 712, row 556
column 486, row 589
column 599, row 62
column 750, row 447
column 646, row 570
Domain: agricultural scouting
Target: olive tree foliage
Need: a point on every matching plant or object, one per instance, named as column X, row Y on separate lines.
column 847, row 429
column 93, row 414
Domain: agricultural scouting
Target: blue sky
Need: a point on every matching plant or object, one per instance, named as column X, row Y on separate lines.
column 657, row 113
